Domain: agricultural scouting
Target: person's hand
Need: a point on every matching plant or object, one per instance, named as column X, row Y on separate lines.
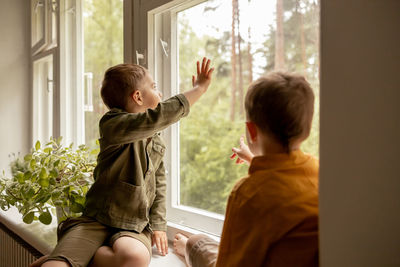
column 243, row 153
column 160, row 239
column 204, row 74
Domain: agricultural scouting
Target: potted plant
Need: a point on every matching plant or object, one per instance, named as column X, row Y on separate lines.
column 48, row 177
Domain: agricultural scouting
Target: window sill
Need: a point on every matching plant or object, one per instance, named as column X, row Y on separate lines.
column 43, row 237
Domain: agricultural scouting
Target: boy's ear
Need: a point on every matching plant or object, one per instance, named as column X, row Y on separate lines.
column 137, row 97
column 252, row 129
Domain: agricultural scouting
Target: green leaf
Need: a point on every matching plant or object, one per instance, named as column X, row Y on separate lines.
column 80, row 200
column 47, row 150
column 20, row 177
column 27, row 175
column 43, row 198
column 32, row 164
column 27, row 157
column 55, row 164
column 37, row 145
column 45, row 218
column 76, row 207
column 44, row 182
column 28, row 218
column 43, row 173
column 28, row 194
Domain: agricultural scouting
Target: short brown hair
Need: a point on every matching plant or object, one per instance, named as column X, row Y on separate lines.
column 119, row 82
column 281, row 104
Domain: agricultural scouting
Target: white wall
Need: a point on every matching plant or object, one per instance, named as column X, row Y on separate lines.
column 14, row 79
column 360, row 133
column 360, row 123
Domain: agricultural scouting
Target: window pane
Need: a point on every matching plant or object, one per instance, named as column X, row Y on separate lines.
column 43, row 98
column 268, row 35
column 37, row 23
column 103, row 47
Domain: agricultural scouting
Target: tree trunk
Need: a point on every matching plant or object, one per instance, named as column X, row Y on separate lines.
column 239, row 40
column 279, row 40
column 233, row 61
column 302, row 38
column 249, row 57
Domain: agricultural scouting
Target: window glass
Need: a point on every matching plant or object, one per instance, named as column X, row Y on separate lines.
column 38, row 22
column 103, row 48
column 245, row 39
column 43, row 98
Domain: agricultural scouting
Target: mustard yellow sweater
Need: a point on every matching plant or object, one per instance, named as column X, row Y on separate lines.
column 272, row 215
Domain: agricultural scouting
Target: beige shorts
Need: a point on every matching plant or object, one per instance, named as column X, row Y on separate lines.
column 79, row 238
column 203, row 253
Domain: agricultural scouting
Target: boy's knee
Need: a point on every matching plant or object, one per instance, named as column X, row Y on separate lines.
column 134, row 257
column 192, row 240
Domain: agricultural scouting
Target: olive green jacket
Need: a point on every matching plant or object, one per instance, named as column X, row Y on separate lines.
column 129, row 191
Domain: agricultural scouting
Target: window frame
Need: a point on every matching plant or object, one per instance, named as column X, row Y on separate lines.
column 38, row 107
column 162, row 25
column 59, row 19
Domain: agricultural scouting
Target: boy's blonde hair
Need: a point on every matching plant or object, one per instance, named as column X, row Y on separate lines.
column 119, row 82
column 282, row 105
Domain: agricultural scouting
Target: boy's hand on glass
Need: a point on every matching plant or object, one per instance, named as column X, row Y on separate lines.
column 243, row 153
column 204, row 74
column 160, row 239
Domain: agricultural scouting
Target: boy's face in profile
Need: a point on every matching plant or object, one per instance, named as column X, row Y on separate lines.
column 150, row 94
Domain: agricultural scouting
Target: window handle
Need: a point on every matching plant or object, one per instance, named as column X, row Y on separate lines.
column 49, row 85
column 164, row 46
column 38, row 4
column 53, row 6
column 139, row 57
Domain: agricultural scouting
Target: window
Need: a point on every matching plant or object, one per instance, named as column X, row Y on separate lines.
column 67, row 38
column 75, row 41
column 268, row 35
column 45, row 89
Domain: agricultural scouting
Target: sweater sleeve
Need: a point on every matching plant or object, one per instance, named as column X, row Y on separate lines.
column 122, row 127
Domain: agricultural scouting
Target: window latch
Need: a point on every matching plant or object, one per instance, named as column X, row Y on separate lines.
column 139, row 57
column 38, row 4
column 164, row 46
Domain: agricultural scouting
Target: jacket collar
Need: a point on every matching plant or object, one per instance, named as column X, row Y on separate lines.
column 278, row 161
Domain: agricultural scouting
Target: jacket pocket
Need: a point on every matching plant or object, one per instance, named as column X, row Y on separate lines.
column 128, row 203
column 157, row 154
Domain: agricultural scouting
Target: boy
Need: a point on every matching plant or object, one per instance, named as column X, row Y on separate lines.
column 272, row 215
column 125, row 207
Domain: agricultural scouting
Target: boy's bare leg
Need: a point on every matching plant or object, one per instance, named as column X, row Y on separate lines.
column 126, row 251
column 55, row 264
column 180, row 242
column 183, row 245
column 39, row 262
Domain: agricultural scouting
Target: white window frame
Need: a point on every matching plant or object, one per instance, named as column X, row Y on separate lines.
column 42, row 127
column 62, row 38
column 41, row 50
column 39, row 23
column 162, row 25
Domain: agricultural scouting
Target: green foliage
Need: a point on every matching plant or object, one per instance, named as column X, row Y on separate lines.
column 50, row 176
column 103, row 48
column 207, row 174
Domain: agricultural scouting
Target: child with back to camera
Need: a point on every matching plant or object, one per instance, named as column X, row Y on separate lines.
column 125, row 207
column 272, row 214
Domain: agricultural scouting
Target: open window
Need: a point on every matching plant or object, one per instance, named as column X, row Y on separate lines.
column 75, row 41
column 245, row 39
